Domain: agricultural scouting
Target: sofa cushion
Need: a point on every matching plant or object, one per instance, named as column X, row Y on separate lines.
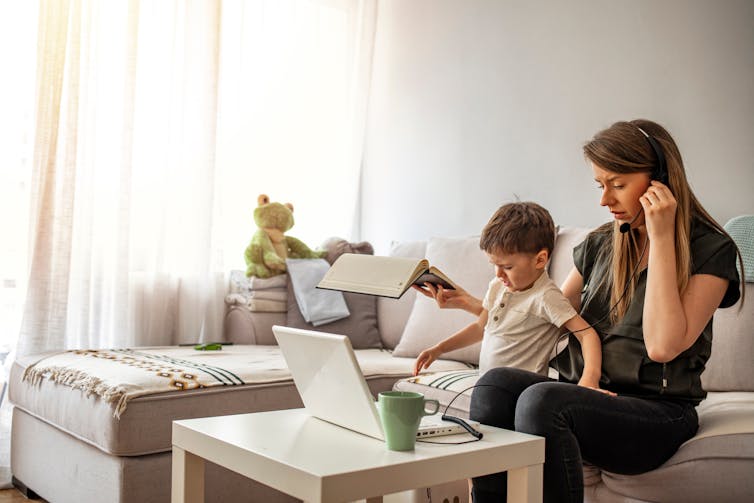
column 730, row 367
column 145, row 425
column 392, row 314
column 360, row 326
column 463, row 261
column 715, row 465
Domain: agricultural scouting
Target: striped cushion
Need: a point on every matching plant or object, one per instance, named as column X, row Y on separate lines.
column 444, row 387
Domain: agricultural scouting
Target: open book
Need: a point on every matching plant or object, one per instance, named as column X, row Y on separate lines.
column 383, row 276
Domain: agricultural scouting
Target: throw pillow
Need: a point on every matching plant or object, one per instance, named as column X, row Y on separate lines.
column 467, row 265
column 561, row 261
column 360, row 326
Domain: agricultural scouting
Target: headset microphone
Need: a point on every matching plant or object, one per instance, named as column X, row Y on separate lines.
column 626, row 226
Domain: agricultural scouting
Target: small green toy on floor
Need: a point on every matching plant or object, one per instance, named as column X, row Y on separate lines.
column 269, row 247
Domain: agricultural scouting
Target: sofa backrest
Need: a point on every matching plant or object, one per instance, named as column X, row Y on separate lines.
column 731, row 365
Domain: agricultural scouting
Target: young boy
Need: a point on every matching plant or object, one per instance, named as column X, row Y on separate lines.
column 523, row 310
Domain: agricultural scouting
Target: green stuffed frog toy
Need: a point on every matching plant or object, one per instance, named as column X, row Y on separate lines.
column 269, row 247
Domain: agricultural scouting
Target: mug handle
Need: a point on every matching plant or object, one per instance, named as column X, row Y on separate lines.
column 429, row 401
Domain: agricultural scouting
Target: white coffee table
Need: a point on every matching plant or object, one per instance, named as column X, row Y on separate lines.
column 319, row 462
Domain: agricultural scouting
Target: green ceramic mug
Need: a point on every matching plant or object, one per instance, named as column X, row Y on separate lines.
column 401, row 413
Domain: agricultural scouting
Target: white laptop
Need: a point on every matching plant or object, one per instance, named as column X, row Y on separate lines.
column 332, row 387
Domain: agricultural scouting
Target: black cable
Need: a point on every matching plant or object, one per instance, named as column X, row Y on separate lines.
column 458, row 420
column 461, row 393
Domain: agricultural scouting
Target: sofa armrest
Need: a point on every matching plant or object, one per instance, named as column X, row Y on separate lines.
column 242, row 326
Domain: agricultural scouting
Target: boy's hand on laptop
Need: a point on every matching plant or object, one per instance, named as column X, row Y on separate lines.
column 451, row 299
column 425, row 359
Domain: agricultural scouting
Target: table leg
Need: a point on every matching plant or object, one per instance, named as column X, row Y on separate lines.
column 525, row 484
column 188, row 477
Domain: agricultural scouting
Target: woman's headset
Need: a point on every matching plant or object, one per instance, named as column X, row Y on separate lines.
column 659, row 173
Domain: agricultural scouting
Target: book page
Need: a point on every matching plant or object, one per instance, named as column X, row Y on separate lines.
column 370, row 274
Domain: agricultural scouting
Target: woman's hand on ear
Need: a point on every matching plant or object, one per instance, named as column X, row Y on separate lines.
column 659, row 206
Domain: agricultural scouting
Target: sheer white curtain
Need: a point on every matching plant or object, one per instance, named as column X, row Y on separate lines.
column 292, row 115
column 157, row 125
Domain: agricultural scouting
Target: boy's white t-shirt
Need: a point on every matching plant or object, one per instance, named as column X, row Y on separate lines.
column 522, row 327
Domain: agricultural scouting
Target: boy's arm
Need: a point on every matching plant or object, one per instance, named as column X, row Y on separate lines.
column 591, row 350
column 467, row 336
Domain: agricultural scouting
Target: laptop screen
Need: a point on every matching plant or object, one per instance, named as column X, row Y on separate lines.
column 329, row 379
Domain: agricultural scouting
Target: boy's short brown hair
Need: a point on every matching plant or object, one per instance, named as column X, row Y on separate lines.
column 522, row 227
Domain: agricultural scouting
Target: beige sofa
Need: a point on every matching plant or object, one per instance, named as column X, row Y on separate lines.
column 68, row 447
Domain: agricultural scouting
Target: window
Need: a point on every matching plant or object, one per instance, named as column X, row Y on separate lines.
column 173, row 118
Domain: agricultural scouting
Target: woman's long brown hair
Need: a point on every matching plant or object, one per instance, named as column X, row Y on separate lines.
column 623, row 148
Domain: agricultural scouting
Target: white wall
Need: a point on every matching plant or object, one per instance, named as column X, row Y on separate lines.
column 474, row 103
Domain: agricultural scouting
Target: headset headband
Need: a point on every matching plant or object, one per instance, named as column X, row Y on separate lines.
column 660, row 173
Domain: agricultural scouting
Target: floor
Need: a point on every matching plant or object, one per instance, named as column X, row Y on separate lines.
column 13, row 496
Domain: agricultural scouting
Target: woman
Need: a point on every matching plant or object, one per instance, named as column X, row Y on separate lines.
column 649, row 282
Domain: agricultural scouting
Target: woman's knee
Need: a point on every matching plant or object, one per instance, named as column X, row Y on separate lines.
column 493, row 401
column 542, row 406
column 510, row 379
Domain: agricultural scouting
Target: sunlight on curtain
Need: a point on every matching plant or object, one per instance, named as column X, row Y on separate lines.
column 292, row 114
column 17, row 50
column 157, row 125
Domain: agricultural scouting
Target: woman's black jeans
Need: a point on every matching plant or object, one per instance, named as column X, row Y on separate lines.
column 622, row 434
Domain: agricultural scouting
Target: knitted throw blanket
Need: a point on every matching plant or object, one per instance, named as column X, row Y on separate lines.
column 741, row 229
column 119, row 375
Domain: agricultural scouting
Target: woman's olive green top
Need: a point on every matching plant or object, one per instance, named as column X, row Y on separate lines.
column 626, row 368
